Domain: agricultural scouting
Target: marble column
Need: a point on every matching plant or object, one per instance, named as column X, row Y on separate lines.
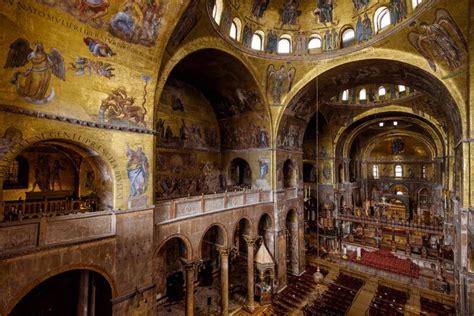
column 2, row 204
column 224, row 256
column 93, row 298
column 190, row 268
column 83, row 299
column 250, row 273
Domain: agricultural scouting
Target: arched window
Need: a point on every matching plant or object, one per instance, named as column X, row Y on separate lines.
column 375, row 171
column 362, row 95
column 345, row 95
column 257, row 40
column 315, row 42
column 240, row 173
column 415, row 3
column 381, row 18
column 348, row 37
column 284, row 44
column 398, row 171
column 217, row 11
column 235, row 29
column 382, row 91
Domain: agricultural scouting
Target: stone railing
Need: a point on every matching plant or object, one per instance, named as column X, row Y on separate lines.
column 384, row 222
column 23, row 209
column 197, row 205
column 26, row 235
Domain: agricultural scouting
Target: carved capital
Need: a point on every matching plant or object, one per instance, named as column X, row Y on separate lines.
column 190, row 264
column 250, row 241
column 224, row 251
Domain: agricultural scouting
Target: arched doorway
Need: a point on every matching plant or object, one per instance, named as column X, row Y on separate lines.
column 240, row 174
column 212, row 240
column 56, row 177
column 341, row 173
column 265, row 230
column 239, row 263
column 68, row 293
column 215, row 262
column 170, row 277
column 289, row 174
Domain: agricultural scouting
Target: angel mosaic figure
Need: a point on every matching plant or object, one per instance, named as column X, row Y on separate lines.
column 279, row 82
column 33, row 84
column 441, row 40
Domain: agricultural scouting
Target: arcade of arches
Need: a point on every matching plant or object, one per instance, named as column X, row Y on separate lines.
column 216, row 157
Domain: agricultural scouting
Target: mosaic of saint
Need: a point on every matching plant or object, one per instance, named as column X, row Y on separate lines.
column 138, row 172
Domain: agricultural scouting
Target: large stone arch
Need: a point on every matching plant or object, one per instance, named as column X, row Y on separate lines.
column 204, row 43
column 78, row 266
column 406, row 58
column 81, row 143
column 189, row 248
column 223, row 229
column 434, row 151
column 438, row 150
column 436, row 129
column 248, row 220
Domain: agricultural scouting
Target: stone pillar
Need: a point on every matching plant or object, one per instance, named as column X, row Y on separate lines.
column 83, row 299
column 269, row 238
column 224, row 256
column 189, row 267
column 93, row 298
column 346, row 171
column 250, row 273
column 2, row 204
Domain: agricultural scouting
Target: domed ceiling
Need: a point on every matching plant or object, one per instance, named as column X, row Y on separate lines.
column 298, row 15
column 311, row 27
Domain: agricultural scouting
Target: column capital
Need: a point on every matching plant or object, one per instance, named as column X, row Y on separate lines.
column 250, row 240
column 190, row 264
column 224, row 251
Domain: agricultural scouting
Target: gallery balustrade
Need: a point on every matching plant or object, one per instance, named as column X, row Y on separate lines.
column 32, row 234
column 24, row 209
column 192, row 206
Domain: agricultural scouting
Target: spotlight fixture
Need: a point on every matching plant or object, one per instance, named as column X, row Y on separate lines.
column 381, row 124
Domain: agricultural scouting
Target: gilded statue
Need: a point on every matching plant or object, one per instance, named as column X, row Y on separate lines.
column 33, row 84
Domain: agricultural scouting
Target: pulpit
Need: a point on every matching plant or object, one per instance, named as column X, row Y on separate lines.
column 265, row 269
